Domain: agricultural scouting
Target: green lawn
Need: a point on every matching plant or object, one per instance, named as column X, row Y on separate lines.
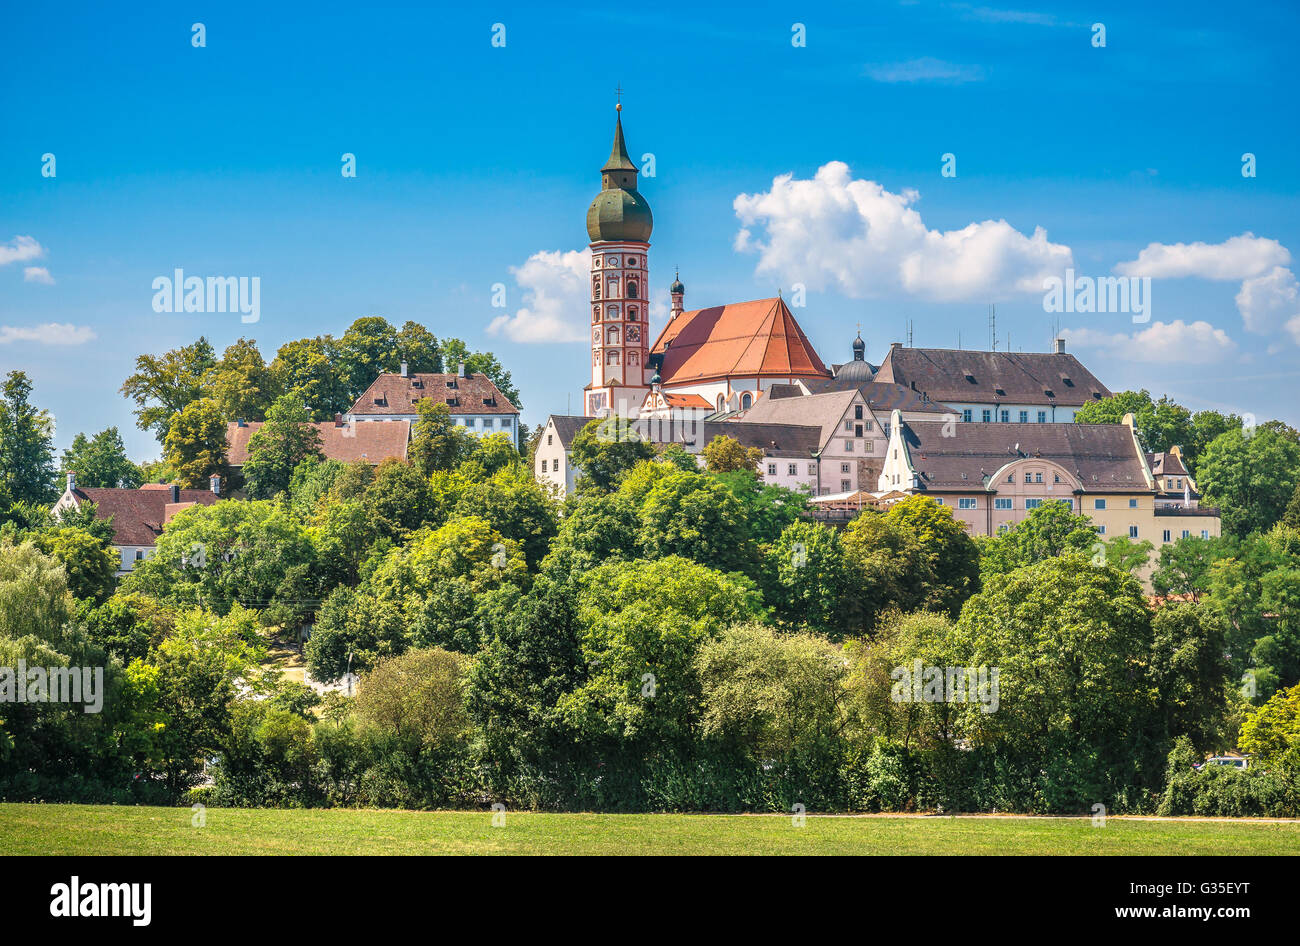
column 91, row 829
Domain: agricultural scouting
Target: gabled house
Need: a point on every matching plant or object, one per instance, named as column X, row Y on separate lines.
column 339, row 440
column 473, row 400
column 139, row 515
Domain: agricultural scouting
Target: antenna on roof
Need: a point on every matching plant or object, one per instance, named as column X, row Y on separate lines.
column 909, row 333
column 993, row 327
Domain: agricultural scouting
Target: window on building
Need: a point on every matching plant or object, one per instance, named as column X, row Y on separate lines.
column 1132, row 504
column 848, row 425
column 1056, row 477
column 812, row 469
column 746, row 401
column 631, row 313
column 1132, row 532
column 869, row 446
column 771, row 469
column 1033, row 503
column 139, row 556
column 940, row 500
column 986, row 416
column 1038, row 477
column 844, row 468
column 1029, row 478
column 1186, row 534
column 631, row 289
column 1165, row 537
column 1001, row 503
column 848, row 446
column 792, row 469
column 1099, row 504
column 1042, row 417
column 1024, row 417
column 1101, row 530
column 857, row 412
column 845, row 486
column 967, row 503
column 857, row 430
column 469, row 421
column 869, row 425
column 1006, row 417
column 1205, row 533
column 548, row 439
column 965, row 415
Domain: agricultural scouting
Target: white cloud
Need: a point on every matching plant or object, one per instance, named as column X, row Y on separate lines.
column 1160, row 342
column 925, row 69
column 1269, row 302
column 38, row 274
column 51, row 333
column 556, row 292
column 1239, row 257
column 19, row 250
column 866, row 241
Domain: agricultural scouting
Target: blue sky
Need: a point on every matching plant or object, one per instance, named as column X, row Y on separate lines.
column 475, row 166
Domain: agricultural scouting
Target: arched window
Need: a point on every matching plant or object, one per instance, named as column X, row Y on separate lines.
column 721, row 402
column 611, row 312
column 631, row 288
column 611, row 336
column 613, row 288
column 595, row 287
column 611, row 358
column 631, row 313
column 633, row 359
column 595, row 313
column 745, row 401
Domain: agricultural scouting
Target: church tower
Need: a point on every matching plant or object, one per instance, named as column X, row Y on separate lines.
column 619, row 224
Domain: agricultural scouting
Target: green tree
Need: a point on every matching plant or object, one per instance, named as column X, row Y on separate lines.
column 1050, row 530
column 164, row 385
column 419, row 697
column 806, row 579
column 1250, row 476
column 274, row 452
column 196, row 444
column 26, row 448
column 367, row 349
column 437, row 441
column 1273, row 730
column 308, row 368
column 694, row 516
column 606, row 450
column 1190, row 671
column 419, row 349
column 241, row 384
column 101, row 461
column 724, row 454
column 90, row 563
column 1160, row 424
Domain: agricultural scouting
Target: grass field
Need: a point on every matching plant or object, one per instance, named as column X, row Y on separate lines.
column 91, row 829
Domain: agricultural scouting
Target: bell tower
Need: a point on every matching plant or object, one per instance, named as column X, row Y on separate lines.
column 619, row 224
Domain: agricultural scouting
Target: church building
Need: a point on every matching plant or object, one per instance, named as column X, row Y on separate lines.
column 718, row 359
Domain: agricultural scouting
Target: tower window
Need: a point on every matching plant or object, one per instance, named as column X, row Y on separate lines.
column 631, row 289
column 612, row 358
column 631, row 312
column 595, row 287
column 746, row 401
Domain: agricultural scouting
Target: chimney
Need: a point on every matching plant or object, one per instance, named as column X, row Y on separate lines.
column 72, row 482
column 462, row 371
column 214, row 484
column 176, row 493
column 1059, row 346
column 338, row 420
column 240, row 423
column 403, row 369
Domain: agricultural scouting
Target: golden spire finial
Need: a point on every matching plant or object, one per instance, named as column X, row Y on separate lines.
column 618, row 100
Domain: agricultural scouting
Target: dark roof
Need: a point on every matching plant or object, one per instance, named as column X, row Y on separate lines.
column 568, row 425
column 1166, row 464
column 371, row 440
column 1102, row 456
column 958, row 376
column 775, row 440
column 394, row 394
column 140, row 514
column 885, row 396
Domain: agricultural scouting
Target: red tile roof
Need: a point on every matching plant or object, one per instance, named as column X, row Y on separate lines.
column 140, row 514
column 370, row 440
column 759, row 339
column 394, row 394
column 686, row 400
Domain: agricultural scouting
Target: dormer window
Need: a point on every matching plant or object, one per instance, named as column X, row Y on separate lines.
column 999, row 392
column 453, row 402
column 451, row 383
column 417, row 383
column 1067, row 382
column 970, row 377
column 1049, row 392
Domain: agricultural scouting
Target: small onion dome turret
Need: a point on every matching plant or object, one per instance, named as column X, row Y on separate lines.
column 859, row 369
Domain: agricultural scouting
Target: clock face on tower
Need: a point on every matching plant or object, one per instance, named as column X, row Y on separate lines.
column 633, row 334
